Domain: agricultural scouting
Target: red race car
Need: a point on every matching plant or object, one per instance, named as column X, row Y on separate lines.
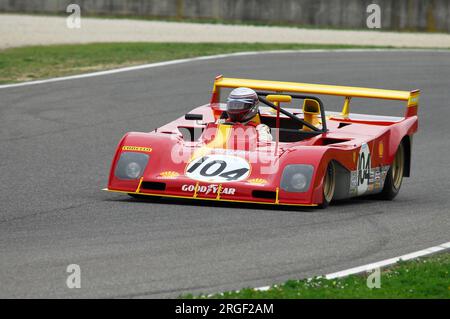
column 311, row 158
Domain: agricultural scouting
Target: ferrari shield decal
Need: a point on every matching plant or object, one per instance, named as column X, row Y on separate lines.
column 218, row 169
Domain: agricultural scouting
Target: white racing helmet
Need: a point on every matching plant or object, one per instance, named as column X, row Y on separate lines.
column 242, row 104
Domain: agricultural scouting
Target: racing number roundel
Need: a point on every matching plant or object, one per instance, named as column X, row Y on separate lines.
column 363, row 169
column 218, row 169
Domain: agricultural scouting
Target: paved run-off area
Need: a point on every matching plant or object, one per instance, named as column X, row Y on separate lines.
column 20, row 30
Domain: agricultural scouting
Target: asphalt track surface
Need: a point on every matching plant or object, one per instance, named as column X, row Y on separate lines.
column 57, row 141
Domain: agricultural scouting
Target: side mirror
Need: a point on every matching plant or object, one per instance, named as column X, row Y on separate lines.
column 279, row 98
column 193, row 117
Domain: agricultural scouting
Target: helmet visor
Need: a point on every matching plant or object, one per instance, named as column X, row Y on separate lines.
column 239, row 105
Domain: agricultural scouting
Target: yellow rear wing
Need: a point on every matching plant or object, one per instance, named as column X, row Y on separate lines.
column 411, row 97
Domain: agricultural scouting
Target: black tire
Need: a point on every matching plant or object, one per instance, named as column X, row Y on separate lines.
column 394, row 177
column 329, row 184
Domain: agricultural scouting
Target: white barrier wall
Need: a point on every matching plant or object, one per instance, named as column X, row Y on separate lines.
column 418, row 15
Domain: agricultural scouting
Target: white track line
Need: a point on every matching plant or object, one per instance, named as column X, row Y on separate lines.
column 204, row 58
column 388, row 262
column 379, row 264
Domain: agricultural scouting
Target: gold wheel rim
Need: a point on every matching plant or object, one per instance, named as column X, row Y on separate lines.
column 328, row 183
column 397, row 167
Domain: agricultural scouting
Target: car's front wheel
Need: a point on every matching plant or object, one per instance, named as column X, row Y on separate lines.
column 329, row 184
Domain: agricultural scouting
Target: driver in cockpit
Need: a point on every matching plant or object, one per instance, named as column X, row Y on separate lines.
column 242, row 107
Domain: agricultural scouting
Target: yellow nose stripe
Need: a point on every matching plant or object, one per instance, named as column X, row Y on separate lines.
column 222, row 136
column 220, row 140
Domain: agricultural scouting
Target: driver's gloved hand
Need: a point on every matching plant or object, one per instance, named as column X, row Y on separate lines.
column 264, row 134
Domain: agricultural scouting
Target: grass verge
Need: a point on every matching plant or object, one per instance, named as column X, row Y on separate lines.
column 38, row 62
column 427, row 277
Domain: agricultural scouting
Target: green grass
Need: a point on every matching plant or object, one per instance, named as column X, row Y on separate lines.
column 421, row 278
column 38, row 62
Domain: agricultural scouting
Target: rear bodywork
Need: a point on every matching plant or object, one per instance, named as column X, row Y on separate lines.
column 194, row 157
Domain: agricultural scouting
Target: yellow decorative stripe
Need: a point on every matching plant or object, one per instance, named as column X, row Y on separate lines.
column 138, row 189
column 195, row 190
column 137, row 148
column 219, row 191
column 220, row 140
column 210, row 199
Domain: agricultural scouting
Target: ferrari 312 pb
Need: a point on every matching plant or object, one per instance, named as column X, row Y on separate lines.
column 312, row 156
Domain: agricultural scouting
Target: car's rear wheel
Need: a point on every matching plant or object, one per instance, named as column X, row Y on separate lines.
column 329, row 184
column 394, row 177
